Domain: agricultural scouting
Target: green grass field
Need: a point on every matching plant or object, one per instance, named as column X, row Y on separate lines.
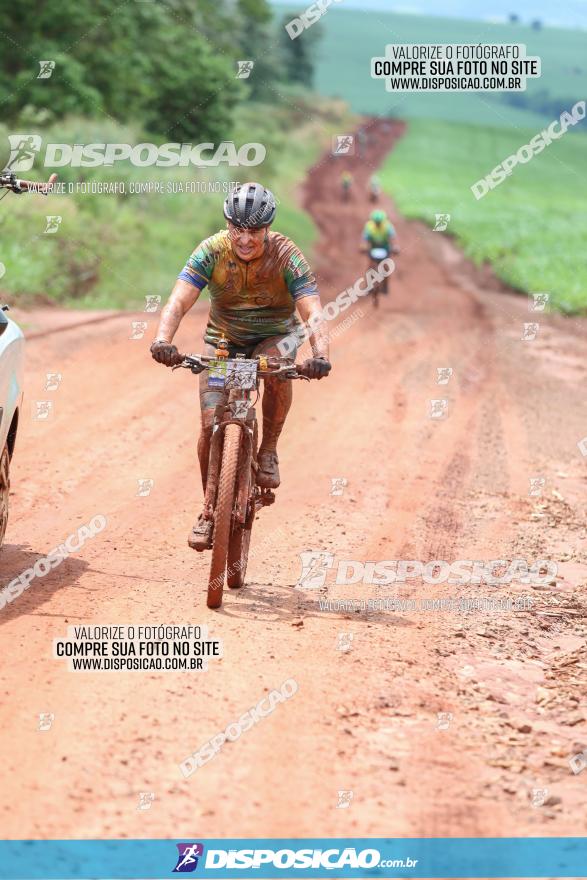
column 532, row 228
column 111, row 251
column 352, row 37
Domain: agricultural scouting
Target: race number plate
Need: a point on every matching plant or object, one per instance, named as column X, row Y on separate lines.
column 232, row 373
column 242, row 375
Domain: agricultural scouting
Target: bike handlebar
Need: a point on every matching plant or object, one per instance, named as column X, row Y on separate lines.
column 10, row 181
column 276, row 365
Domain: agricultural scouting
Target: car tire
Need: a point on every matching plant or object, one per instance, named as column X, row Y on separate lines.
column 4, row 491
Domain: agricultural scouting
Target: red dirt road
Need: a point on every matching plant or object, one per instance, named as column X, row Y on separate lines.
column 363, row 720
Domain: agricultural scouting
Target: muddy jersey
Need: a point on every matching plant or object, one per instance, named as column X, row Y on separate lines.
column 250, row 301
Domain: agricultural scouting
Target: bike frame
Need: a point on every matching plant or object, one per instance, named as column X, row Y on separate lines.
column 230, row 413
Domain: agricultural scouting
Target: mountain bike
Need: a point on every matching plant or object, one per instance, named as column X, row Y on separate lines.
column 374, row 192
column 376, row 255
column 9, row 181
column 232, row 498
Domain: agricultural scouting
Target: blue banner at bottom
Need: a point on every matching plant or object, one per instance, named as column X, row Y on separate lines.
column 375, row 857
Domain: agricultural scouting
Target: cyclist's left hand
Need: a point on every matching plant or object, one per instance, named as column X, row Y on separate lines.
column 316, row 368
column 165, row 353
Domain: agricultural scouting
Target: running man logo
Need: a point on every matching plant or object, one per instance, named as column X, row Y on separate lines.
column 343, row 145
column 344, row 641
column 443, row 720
column 539, row 302
column 53, row 223
column 244, row 69
column 443, row 375
column 345, row 799
column 537, row 484
column 146, row 799
column 138, row 329
column 315, row 566
column 145, row 487
column 187, row 861
column 152, row 303
column 53, row 381
column 239, row 409
column 23, row 149
column 47, row 68
column 530, row 332
column 538, row 797
column 578, row 762
column 442, row 221
column 438, row 408
column 42, row 410
column 46, row 720
column 338, row 485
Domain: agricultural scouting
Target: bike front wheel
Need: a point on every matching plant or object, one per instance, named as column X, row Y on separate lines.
column 223, row 514
column 240, row 538
column 238, row 555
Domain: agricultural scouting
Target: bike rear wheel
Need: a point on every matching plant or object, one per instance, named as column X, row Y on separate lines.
column 223, row 514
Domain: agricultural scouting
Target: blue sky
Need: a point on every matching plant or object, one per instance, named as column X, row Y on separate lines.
column 568, row 13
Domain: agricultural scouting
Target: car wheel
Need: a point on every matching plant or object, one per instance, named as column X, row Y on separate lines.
column 4, row 491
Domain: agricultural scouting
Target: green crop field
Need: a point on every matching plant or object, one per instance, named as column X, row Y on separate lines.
column 532, row 228
column 351, row 37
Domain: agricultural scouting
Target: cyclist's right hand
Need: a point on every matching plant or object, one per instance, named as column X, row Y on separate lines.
column 165, row 353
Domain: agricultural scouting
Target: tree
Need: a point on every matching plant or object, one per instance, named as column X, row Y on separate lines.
column 168, row 64
column 299, row 54
column 195, row 91
column 144, row 62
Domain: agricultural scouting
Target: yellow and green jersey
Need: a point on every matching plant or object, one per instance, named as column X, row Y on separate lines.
column 379, row 234
column 250, row 301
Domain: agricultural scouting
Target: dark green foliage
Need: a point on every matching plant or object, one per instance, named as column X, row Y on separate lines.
column 299, row 54
column 170, row 65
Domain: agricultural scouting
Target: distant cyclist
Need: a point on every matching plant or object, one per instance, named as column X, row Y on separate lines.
column 374, row 188
column 346, row 182
column 362, row 141
column 379, row 240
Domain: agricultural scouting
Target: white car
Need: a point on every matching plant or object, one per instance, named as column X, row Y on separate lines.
column 11, row 378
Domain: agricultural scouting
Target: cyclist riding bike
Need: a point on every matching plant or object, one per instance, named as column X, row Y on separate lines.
column 379, row 240
column 346, row 182
column 256, row 279
column 374, row 189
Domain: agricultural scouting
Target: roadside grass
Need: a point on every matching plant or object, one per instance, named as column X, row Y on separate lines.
column 111, row 251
